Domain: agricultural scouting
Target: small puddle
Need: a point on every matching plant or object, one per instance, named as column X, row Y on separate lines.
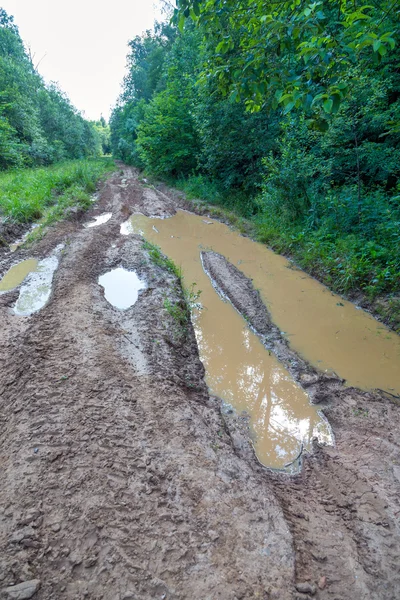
column 16, row 275
column 36, row 289
column 238, row 367
column 126, row 228
column 121, row 287
column 100, row 220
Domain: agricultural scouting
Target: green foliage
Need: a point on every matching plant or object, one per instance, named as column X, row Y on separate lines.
column 31, row 194
column 144, row 79
column 166, row 137
column 38, row 124
column 293, row 54
column 209, row 105
column 179, row 313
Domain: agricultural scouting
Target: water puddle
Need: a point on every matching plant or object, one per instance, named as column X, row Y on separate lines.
column 239, row 369
column 334, row 335
column 100, row 220
column 121, row 287
column 36, row 289
column 126, row 228
column 16, row 275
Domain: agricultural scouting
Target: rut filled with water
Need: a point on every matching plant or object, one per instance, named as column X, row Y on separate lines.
column 332, row 334
column 239, row 369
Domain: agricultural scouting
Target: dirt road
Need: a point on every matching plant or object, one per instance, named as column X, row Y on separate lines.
column 121, row 478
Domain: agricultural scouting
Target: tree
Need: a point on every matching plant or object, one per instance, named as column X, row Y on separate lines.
column 38, row 123
column 293, row 53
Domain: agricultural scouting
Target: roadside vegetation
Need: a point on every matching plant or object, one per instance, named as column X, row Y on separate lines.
column 179, row 310
column 28, row 195
column 51, row 158
column 287, row 117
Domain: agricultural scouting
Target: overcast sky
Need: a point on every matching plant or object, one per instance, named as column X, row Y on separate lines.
column 82, row 44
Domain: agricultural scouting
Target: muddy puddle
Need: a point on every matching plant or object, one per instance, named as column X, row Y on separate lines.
column 334, row 335
column 36, row 288
column 121, row 287
column 238, row 367
column 100, row 220
column 17, row 274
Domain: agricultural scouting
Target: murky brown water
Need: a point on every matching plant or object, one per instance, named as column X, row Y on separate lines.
column 331, row 333
column 16, row 275
column 239, row 369
column 121, row 287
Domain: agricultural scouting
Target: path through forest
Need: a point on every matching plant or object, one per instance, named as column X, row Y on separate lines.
column 121, row 478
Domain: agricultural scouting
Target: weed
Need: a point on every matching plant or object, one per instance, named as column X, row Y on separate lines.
column 48, row 193
column 161, row 260
column 179, row 312
column 360, row 412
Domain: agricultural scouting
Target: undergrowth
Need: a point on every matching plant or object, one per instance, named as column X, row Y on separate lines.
column 47, row 193
column 161, row 260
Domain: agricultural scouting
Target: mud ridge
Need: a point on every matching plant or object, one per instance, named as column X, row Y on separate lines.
column 234, row 286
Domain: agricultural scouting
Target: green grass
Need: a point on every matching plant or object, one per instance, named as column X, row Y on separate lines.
column 46, row 193
column 178, row 310
column 161, row 260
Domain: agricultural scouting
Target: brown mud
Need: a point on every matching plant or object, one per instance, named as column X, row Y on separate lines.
column 121, row 478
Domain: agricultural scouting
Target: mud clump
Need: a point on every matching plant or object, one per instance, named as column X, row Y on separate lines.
column 239, row 290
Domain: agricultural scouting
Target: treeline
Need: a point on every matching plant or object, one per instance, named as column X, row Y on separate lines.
column 38, row 124
column 287, row 114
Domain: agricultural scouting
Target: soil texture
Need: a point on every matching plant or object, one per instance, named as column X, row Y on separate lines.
column 122, row 478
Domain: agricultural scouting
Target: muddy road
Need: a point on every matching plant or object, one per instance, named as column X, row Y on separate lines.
column 122, row 477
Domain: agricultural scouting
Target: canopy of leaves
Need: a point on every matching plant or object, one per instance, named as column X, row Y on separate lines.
column 296, row 53
column 212, row 107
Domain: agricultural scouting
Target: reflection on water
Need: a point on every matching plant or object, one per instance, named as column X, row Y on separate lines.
column 16, row 275
column 325, row 329
column 121, row 287
column 100, row 220
column 18, row 243
column 238, row 367
column 35, row 291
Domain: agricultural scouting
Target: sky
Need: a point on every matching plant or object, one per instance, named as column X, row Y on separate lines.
column 82, row 44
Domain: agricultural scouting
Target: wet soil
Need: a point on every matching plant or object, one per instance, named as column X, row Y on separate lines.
column 122, row 478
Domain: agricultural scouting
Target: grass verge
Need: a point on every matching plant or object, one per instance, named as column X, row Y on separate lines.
column 178, row 310
column 47, row 193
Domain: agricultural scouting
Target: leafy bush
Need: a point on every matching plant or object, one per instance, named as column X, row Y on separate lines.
column 167, row 141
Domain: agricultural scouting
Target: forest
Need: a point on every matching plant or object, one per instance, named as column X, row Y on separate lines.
column 38, row 124
column 287, row 115
column 50, row 156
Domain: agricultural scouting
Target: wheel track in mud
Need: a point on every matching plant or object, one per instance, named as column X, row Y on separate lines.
column 136, row 490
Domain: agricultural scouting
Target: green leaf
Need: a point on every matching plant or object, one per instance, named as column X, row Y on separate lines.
column 336, row 101
column 288, row 107
column 328, row 105
column 181, row 23
column 376, row 45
